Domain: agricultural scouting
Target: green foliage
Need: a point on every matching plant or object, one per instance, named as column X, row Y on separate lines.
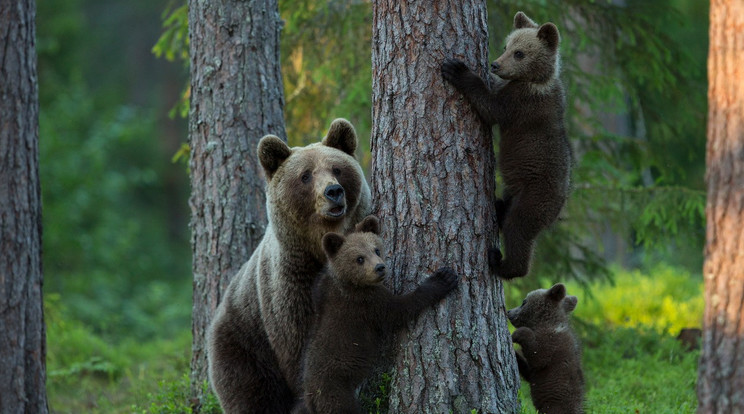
column 173, row 397
column 376, row 399
column 664, row 300
column 87, row 373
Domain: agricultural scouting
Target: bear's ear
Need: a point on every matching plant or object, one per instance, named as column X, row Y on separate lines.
column 272, row 152
column 569, row 303
column 332, row 242
column 557, row 292
column 548, row 33
column 370, row 224
column 521, row 21
column 341, row 135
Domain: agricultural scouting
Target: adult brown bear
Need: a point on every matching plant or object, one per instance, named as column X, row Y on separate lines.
column 260, row 328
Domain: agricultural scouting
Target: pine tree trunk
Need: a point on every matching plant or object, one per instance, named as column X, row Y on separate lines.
column 22, row 332
column 721, row 369
column 433, row 185
column 236, row 97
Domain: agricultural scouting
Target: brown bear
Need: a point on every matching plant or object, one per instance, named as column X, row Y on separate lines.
column 355, row 314
column 526, row 99
column 550, row 359
column 256, row 339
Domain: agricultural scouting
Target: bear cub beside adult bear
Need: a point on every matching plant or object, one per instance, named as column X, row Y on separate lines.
column 355, row 313
column 526, row 99
column 261, row 326
column 550, row 359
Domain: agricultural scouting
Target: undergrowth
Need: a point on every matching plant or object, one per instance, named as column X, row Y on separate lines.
column 631, row 360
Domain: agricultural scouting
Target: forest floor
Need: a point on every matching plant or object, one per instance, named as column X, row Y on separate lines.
column 632, row 361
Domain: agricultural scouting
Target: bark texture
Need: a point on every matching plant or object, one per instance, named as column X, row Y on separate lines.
column 236, row 98
column 22, row 332
column 721, row 369
column 433, row 188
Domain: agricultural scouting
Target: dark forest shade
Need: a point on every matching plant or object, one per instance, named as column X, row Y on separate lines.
column 22, row 332
column 237, row 97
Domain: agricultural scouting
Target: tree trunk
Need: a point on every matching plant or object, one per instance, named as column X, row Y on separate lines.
column 236, row 98
column 22, row 332
column 721, row 369
column 433, row 185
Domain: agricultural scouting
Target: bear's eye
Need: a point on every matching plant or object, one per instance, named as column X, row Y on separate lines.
column 336, row 171
column 360, row 260
column 518, row 54
column 377, row 252
column 306, row 177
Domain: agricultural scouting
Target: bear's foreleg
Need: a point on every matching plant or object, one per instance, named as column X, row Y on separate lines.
column 405, row 308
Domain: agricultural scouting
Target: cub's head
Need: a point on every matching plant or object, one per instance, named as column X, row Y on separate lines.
column 531, row 52
column 356, row 258
column 316, row 188
column 543, row 307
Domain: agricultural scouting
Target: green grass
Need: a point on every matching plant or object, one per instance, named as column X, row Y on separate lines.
column 632, row 362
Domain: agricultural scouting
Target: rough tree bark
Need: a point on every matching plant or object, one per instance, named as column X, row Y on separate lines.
column 237, row 96
column 22, row 332
column 721, row 369
column 433, row 185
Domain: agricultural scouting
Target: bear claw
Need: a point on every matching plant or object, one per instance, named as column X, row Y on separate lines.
column 452, row 69
column 494, row 258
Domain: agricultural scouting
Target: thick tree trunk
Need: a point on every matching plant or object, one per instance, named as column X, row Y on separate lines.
column 721, row 369
column 22, row 332
column 433, row 185
column 236, row 98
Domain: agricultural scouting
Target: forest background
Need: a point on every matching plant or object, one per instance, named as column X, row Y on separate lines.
column 113, row 144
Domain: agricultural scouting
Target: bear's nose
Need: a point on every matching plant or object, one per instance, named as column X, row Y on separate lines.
column 335, row 193
column 495, row 66
column 380, row 269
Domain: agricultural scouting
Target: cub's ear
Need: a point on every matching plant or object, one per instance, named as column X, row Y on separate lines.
column 521, row 21
column 341, row 135
column 569, row 303
column 548, row 33
column 557, row 292
column 272, row 152
column 332, row 242
column 370, row 224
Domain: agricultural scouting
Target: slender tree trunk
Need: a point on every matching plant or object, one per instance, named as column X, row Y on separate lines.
column 721, row 369
column 236, row 98
column 433, row 185
column 22, row 332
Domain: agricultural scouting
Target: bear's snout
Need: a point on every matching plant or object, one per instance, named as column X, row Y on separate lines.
column 495, row 66
column 335, row 193
column 380, row 269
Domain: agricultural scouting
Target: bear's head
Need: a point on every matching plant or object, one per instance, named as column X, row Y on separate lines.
column 544, row 307
column 314, row 189
column 356, row 259
column 531, row 52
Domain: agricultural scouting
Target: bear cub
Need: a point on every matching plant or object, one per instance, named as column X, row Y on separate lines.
column 355, row 313
column 550, row 359
column 527, row 100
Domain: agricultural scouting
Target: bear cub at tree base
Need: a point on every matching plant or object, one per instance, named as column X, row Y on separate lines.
column 355, row 313
column 526, row 99
column 550, row 359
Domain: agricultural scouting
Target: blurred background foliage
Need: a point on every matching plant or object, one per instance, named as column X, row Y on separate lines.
column 113, row 79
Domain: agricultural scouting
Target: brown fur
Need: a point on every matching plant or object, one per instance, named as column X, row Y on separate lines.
column 550, row 359
column 260, row 328
column 356, row 313
column 526, row 99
